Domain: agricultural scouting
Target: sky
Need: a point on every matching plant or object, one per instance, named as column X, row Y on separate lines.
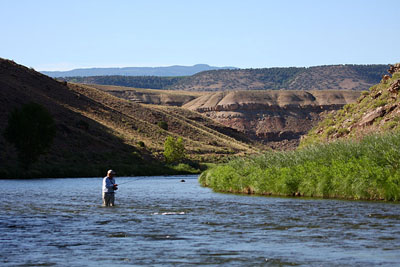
column 64, row 35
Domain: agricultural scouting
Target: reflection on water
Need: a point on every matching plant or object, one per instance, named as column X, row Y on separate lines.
column 160, row 220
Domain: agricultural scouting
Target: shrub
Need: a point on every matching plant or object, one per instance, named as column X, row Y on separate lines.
column 348, row 107
column 185, row 168
column 163, row 125
column 365, row 93
column 390, row 125
column 82, row 125
column 330, row 131
column 174, row 150
column 343, row 131
column 380, row 103
column 31, row 129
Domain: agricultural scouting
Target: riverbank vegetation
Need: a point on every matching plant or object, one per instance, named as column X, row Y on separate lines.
column 43, row 170
column 349, row 169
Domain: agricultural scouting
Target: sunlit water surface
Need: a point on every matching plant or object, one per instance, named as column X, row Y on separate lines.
column 163, row 221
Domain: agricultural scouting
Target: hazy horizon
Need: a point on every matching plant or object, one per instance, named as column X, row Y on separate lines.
column 117, row 67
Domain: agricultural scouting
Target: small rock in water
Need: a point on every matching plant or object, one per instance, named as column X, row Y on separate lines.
column 182, row 181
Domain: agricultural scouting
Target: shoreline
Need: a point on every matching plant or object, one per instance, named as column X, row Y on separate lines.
column 98, row 170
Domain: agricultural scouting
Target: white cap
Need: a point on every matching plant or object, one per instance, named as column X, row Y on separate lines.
column 110, row 172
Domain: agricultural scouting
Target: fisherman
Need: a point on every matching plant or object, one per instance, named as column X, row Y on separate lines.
column 109, row 188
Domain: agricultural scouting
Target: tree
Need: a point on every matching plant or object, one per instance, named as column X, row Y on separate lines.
column 174, row 150
column 163, row 125
column 31, row 129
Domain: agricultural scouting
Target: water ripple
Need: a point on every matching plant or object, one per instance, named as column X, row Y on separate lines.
column 160, row 221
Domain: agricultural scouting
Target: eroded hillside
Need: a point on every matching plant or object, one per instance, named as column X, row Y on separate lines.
column 276, row 118
column 377, row 110
column 96, row 130
column 150, row 96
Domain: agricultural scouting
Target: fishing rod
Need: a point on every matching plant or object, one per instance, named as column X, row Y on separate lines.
column 133, row 180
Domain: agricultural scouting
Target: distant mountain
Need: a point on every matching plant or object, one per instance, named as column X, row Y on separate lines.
column 136, row 71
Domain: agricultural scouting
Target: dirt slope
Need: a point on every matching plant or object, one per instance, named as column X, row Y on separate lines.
column 97, row 129
column 150, row 96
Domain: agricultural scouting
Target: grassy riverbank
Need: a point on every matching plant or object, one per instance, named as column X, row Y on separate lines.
column 366, row 169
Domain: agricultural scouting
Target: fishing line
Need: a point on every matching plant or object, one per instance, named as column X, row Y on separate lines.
column 133, row 180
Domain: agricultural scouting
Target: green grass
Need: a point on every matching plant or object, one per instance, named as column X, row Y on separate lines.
column 368, row 169
column 184, row 168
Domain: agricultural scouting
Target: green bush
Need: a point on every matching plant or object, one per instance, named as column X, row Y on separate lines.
column 141, row 144
column 163, row 125
column 380, row 103
column 330, row 131
column 343, row 131
column 365, row 93
column 31, row 129
column 184, row 168
column 174, row 150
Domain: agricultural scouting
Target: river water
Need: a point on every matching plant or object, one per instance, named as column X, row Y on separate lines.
column 163, row 221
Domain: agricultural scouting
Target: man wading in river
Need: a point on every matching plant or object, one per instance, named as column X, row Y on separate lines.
column 109, row 188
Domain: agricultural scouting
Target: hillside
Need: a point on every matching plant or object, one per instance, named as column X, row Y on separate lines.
column 277, row 118
column 377, row 110
column 96, row 131
column 149, row 82
column 150, row 96
column 136, row 71
column 331, row 77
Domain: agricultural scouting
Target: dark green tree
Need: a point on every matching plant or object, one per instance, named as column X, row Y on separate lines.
column 174, row 150
column 31, row 129
column 163, row 125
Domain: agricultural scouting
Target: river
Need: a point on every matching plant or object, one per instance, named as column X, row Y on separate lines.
column 163, row 221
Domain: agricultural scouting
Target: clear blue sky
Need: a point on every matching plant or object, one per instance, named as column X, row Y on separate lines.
column 62, row 35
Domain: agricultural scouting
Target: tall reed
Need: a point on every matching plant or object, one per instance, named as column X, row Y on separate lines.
column 366, row 169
